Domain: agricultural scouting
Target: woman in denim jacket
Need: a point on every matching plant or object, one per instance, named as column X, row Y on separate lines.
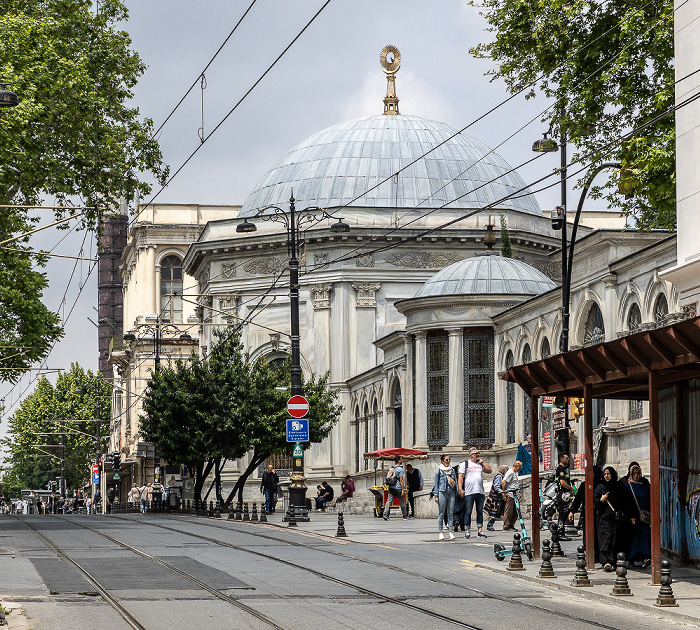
column 444, row 489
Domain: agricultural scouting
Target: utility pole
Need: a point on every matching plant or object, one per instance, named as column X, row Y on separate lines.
column 63, row 460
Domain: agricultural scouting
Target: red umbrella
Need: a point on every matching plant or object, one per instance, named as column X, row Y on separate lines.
column 389, row 454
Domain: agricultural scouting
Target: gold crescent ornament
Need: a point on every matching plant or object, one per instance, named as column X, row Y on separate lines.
column 390, row 58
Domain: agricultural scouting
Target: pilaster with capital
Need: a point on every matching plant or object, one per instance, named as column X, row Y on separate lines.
column 456, row 389
column 421, row 436
column 407, row 394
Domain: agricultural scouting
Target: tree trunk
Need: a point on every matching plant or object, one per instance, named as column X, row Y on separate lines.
column 240, row 483
column 202, row 474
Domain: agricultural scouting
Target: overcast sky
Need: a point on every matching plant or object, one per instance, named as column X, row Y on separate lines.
column 329, row 75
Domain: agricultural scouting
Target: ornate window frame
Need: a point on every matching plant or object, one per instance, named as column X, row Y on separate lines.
column 437, row 362
column 476, row 431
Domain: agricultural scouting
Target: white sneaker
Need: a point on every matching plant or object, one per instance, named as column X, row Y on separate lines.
column 452, row 536
column 441, row 536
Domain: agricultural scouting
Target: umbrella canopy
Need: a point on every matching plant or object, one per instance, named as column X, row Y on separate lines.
column 389, row 454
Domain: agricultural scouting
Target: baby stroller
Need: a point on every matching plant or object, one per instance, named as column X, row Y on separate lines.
column 500, row 550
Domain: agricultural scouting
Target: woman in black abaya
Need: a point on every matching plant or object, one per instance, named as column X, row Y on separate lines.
column 615, row 515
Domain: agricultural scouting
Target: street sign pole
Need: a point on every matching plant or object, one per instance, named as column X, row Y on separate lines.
column 297, row 431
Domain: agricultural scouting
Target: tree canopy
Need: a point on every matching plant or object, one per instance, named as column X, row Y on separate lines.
column 75, row 136
column 201, row 411
column 33, row 437
column 608, row 68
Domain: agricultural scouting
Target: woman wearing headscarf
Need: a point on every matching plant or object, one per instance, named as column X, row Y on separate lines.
column 614, row 509
column 640, row 489
column 493, row 504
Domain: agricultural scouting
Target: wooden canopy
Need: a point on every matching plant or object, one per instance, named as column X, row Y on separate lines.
column 617, row 369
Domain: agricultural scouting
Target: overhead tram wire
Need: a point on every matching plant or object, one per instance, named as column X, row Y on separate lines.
column 394, row 228
column 233, row 109
column 216, row 54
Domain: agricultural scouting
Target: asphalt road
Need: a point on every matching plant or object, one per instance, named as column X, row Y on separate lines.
column 168, row 572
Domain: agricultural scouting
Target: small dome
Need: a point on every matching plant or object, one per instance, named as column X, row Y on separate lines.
column 487, row 274
column 337, row 166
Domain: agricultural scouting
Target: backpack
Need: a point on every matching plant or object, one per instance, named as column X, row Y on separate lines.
column 392, row 479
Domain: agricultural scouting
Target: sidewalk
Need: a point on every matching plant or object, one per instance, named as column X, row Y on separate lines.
column 370, row 530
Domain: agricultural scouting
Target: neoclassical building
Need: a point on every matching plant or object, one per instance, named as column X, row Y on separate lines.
column 412, row 311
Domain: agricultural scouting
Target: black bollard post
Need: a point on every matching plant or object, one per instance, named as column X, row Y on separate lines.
column 231, row 512
column 254, row 515
column 246, row 514
column 546, row 570
column 666, row 597
column 292, row 522
column 622, row 587
column 263, row 514
column 341, row 533
column 581, row 575
column 217, row 509
column 210, row 514
column 239, row 512
column 516, row 559
column 556, row 547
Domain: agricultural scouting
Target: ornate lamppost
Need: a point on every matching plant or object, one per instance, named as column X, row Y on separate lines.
column 295, row 221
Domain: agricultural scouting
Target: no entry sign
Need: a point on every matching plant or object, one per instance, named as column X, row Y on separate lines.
column 297, row 406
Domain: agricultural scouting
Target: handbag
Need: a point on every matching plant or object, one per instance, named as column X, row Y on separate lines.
column 450, row 481
column 644, row 515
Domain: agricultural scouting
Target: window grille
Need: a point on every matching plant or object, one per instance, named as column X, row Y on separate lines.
column 595, row 329
column 479, row 407
column 438, row 390
column 660, row 310
column 636, row 408
column 634, row 318
column 510, row 403
column 546, row 350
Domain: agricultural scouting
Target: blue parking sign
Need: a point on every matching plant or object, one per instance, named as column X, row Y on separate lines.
column 297, row 430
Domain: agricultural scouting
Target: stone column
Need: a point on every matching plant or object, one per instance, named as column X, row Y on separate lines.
column 420, row 439
column 154, row 280
column 456, row 389
column 407, row 393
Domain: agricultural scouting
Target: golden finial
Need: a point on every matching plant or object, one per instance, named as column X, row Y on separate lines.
column 390, row 58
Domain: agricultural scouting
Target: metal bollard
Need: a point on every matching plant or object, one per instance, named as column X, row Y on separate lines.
column 556, row 546
column 210, row 513
column 246, row 514
column 231, row 512
column 581, row 575
column 622, row 587
column 341, row 533
column 239, row 512
column 546, row 569
column 516, row 560
column 666, row 596
column 292, row 522
column 217, row 509
column 254, row 515
column 263, row 514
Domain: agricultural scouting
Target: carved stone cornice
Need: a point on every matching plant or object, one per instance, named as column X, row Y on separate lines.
column 322, row 295
column 262, row 266
column 422, row 260
column 366, row 294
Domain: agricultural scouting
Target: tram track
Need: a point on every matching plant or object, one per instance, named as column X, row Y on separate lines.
column 220, row 526
column 115, row 603
column 325, row 576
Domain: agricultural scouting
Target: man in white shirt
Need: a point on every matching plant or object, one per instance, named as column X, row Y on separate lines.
column 470, row 481
column 510, row 487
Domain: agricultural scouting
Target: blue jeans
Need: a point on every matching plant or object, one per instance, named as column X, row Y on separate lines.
column 320, row 502
column 144, row 505
column 469, row 501
column 446, row 500
column 269, row 500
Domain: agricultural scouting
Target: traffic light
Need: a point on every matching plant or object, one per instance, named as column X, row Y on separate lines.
column 575, row 408
column 116, row 461
column 560, row 402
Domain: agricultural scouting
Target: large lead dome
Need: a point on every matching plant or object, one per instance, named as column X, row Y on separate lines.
column 334, row 167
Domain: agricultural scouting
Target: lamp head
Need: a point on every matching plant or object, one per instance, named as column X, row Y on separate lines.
column 7, row 98
column 246, row 227
column 546, row 145
column 340, row 227
column 129, row 337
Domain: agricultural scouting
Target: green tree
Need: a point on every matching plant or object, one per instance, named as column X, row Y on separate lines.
column 506, row 247
column 75, row 136
column 34, row 436
column 608, row 68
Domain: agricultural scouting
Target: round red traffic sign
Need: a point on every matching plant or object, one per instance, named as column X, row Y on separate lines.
column 96, row 468
column 297, row 406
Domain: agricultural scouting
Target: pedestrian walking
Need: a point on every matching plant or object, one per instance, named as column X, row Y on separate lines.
column 614, row 505
column 510, row 486
column 88, row 504
column 564, row 486
column 268, row 486
column 494, row 502
column 397, row 489
column 414, row 483
column 134, row 497
column 444, row 487
column 471, row 486
column 144, row 498
column 459, row 513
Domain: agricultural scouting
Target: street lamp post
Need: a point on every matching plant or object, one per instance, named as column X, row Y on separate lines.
column 294, row 223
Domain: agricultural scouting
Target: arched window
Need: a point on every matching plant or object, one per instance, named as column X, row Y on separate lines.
column 398, row 418
column 527, row 357
column 545, row 350
column 634, row 318
column 595, row 329
column 660, row 310
column 510, row 403
column 171, row 290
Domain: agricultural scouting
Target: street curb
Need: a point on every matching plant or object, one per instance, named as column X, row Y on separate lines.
column 587, row 594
